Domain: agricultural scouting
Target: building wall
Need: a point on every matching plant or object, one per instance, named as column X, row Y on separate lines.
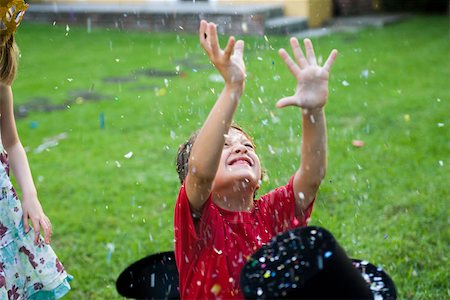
column 317, row 11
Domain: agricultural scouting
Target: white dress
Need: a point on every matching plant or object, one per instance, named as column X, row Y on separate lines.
column 27, row 271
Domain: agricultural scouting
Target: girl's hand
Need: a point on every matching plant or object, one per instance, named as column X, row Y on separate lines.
column 229, row 62
column 312, row 79
column 32, row 210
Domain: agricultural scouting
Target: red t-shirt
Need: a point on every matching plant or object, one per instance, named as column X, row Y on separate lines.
column 209, row 263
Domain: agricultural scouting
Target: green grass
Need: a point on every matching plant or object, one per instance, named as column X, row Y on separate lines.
column 386, row 202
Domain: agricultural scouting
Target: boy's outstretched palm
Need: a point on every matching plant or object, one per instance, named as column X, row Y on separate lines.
column 229, row 61
column 312, row 79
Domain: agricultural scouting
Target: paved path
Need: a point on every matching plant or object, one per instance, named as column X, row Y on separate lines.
column 352, row 24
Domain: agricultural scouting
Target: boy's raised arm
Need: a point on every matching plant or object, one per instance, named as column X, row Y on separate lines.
column 311, row 96
column 207, row 149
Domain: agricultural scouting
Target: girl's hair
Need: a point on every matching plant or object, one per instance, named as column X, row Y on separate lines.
column 184, row 151
column 9, row 53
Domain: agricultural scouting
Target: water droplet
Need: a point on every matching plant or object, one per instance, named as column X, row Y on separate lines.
column 244, row 27
column 152, row 280
column 365, row 74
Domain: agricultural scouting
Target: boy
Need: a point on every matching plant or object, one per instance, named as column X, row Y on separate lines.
column 218, row 223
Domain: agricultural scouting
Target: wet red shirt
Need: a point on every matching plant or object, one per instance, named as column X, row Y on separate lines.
column 210, row 262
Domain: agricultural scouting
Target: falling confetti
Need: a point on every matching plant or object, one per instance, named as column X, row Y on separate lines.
column 358, row 143
column 50, row 142
column 216, row 288
column 406, row 117
column 102, row 120
column 110, row 249
column 215, row 78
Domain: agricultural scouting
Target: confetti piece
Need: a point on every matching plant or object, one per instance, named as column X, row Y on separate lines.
column 407, row 118
column 357, row 143
column 216, row 288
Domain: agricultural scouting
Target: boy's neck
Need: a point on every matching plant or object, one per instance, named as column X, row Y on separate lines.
column 234, row 199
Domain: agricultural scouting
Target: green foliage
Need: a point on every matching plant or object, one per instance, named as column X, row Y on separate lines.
column 386, row 202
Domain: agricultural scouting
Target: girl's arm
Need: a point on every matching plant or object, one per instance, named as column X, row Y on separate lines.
column 311, row 96
column 19, row 165
column 207, row 149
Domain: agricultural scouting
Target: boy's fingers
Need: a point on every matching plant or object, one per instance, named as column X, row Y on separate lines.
column 292, row 66
column 287, row 101
column 239, row 48
column 212, row 34
column 310, row 56
column 329, row 63
column 298, row 53
column 202, row 33
column 202, row 30
column 229, row 48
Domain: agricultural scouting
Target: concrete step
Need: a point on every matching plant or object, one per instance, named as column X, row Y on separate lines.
column 178, row 16
column 285, row 25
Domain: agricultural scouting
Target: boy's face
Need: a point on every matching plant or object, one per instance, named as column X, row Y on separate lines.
column 238, row 163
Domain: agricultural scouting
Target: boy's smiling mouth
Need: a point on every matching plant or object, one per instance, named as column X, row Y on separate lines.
column 242, row 160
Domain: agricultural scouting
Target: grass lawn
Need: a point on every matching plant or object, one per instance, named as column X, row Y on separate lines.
column 386, row 202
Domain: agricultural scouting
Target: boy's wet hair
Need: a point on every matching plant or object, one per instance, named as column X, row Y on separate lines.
column 184, row 151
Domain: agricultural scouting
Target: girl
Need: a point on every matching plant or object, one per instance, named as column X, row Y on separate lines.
column 29, row 269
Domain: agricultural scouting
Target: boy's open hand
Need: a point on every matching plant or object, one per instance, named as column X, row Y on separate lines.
column 229, row 62
column 312, row 79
